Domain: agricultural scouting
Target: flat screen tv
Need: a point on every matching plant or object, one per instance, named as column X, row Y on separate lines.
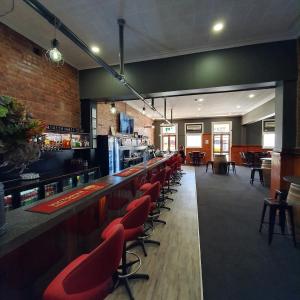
column 126, row 124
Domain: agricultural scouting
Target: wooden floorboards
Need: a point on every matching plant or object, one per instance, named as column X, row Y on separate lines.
column 174, row 266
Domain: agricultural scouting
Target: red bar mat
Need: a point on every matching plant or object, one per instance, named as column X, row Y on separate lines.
column 62, row 201
column 128, row 172
column 154, row 160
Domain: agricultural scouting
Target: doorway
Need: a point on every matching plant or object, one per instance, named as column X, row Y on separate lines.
column 168, row 137
column 221, row 138
column 169, row 143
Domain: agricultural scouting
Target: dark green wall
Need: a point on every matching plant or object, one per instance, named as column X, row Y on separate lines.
column 236, row 128
column 253, row 133
column 235, row 66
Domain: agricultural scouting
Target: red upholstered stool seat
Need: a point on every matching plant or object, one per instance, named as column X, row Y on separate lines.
column 89, row 276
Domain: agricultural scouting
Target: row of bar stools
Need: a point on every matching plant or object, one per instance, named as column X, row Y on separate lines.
column 94, row 275
column 280, row 207
column 260, row 173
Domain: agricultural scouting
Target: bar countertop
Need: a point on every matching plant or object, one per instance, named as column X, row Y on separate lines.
column 23, row 225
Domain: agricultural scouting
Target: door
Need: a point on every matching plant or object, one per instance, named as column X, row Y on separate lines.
column 169, row 143
column 221, row 144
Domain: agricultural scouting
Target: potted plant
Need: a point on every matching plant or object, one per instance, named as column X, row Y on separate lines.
column 19, row 136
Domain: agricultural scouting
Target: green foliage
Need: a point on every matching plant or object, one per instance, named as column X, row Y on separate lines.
column 17, row 128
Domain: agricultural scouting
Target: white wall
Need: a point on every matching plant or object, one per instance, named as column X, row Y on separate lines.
column 262, row 112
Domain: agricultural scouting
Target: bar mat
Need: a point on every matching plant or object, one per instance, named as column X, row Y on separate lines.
column 154, row 160
column 60, row 202
column 128, row 172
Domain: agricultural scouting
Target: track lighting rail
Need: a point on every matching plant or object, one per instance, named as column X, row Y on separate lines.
column 52, row 19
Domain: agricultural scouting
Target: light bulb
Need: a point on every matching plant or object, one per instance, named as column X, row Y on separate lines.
column 218, row 27
column 95, row 49
column 55, row 55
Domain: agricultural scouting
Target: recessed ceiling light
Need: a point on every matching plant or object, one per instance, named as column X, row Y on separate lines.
column 95, row 49
column 251, row 96
column 218, row 27
column 199, row 108
column 238, row 106
column 200, row 99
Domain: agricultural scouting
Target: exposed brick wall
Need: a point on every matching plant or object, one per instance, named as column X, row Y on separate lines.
column 50, row 93
column 105, row 119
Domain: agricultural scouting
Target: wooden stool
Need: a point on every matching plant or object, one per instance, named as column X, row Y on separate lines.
column 281, row 207
column 253, row 171
column 210, row 162
column 232, row 164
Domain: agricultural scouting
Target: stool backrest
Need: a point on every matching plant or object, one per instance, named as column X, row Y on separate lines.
column 153, row 191
column 96, row 267
column 168, row 173
column 138, row 215
column 162, row 177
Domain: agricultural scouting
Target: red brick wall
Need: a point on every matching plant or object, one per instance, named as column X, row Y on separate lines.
column 50, row 93
column 105, row 119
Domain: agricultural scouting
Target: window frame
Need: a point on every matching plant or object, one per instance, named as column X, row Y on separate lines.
column 193, row 133
column 265, row 132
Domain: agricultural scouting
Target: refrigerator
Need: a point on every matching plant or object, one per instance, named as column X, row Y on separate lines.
column 108, row 154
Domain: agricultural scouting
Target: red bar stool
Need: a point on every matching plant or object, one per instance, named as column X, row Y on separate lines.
column 89, row 276
column 166, row 188
column 133, row 223
column 154, row 193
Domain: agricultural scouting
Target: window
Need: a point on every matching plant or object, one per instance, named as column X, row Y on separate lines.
column 193, row 140
column 269, row 140
column 268, row 133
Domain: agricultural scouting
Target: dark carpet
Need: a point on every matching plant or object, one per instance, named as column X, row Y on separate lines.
column 237, row 262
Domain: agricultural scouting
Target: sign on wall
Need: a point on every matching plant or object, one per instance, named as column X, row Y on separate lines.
column 168, row 129
column 194, row 128
column 268, row 125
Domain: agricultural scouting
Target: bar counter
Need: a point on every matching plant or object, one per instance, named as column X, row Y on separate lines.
column 23, row 226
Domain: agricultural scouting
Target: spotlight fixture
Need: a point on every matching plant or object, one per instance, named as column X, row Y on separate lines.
column 53, row 54
column 218, row 27
column 113, row 109
column 251, row 96
column 95, row 49
column 144, row 110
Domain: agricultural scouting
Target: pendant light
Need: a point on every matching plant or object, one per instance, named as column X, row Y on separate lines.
column 53, row 54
